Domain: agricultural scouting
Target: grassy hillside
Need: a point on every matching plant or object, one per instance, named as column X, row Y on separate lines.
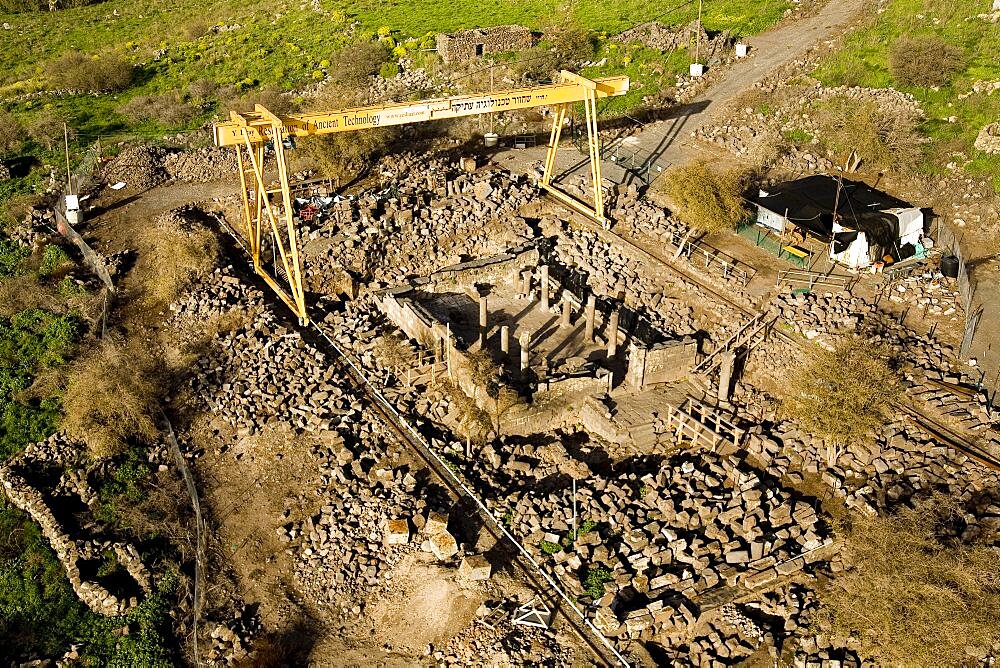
column 864, row 60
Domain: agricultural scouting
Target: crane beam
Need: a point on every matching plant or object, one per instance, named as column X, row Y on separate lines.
column 257, row 126
column 269, row 213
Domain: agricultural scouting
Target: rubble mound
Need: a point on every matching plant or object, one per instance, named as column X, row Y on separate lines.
column 139, row 167
column 201, row 166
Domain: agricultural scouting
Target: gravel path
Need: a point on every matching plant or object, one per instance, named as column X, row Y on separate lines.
column 671, row 140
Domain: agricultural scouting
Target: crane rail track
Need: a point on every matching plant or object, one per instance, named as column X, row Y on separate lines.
column 933, row 426
column 541, row 582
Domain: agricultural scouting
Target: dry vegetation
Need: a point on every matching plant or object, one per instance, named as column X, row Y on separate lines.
column 175, row 249
column 924, row 60
column 916, row 595
column 843, row 394
column 112, row 397
column 95, row 73
column 885, row 138
column 706, row 200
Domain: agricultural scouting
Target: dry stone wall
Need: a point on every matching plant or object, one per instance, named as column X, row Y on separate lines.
column 478, row 42
column 58, row 455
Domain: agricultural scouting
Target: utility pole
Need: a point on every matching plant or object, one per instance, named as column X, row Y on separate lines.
column 697, row 37
column 69, row 177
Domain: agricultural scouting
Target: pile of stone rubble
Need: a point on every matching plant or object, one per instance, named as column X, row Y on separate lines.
column 747, row 129
column 429, row 213
column 142, row 167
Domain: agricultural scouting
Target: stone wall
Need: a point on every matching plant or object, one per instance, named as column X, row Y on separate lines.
column 69, row 551
column 469, row 44
column 662, row 363
column 656, row 35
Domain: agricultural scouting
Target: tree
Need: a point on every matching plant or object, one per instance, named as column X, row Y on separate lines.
column 841, row 395
column 924, row 60
column 705, row 200
column 915, row 594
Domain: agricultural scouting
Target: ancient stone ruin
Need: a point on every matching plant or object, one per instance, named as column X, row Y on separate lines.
column 468, row 44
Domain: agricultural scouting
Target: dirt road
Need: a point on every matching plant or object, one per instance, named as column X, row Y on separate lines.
column 671, row 140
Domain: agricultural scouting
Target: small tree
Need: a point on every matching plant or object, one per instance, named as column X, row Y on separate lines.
column 924, row 60
column 841, row 395
column 915, row 595
column 705, row 200
column 107, row 73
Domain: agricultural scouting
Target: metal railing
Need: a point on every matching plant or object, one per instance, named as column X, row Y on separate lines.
column 814, row 279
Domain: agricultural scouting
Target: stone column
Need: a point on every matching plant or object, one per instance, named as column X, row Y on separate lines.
column 525, row 340
column 545, row 287
column 483, row 321
column 505, row 339
column 566, row 311
column 613, row 334
column 588, row 332
column 525, row 283
column 726, row 375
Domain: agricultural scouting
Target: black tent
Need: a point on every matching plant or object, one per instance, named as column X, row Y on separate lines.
column 809, row 204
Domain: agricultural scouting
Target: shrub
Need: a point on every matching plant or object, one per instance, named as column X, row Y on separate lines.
column 885, row 137
column 12, row 258
column 915, row 594
column 10, row 133
column 196, row 28
column 393, row 352
column 707, row 201
column 594, row 583
column 112, row 396
column 174, row 250
column 355, row 63
column 388, row 70
column 924, row 61
column 268, row 97
column 168, row 109
column 47, row 130
column 345, row 154
column 550, row 548
column 96, row 74
column 843, row 394
column 572, row 44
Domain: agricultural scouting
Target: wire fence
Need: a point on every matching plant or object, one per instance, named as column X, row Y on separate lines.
column 199, row 559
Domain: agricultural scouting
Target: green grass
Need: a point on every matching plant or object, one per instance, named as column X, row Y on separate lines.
column 863, row 61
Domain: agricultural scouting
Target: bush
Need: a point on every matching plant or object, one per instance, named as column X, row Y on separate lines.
column 843, row 394
column 167, row 109
column 355, row 63
column 885, row 137
column 47, row 130
column 389, row 70
column 343, row 155
column 924, row 61
column 707, row 201
column 594, row 583
column 173, row 251
column 571, row 45
column 268, row 97
column 915, row 594
column 112, row 396
column 96, row 74
column 10, row 133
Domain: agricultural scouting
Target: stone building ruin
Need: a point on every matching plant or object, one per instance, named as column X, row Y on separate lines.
column 479, row 42
column 557, row 348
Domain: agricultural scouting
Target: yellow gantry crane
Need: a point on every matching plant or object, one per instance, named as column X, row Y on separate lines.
column 272, row 208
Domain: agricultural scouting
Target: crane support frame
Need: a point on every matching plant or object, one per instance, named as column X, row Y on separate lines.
column 270, row 211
